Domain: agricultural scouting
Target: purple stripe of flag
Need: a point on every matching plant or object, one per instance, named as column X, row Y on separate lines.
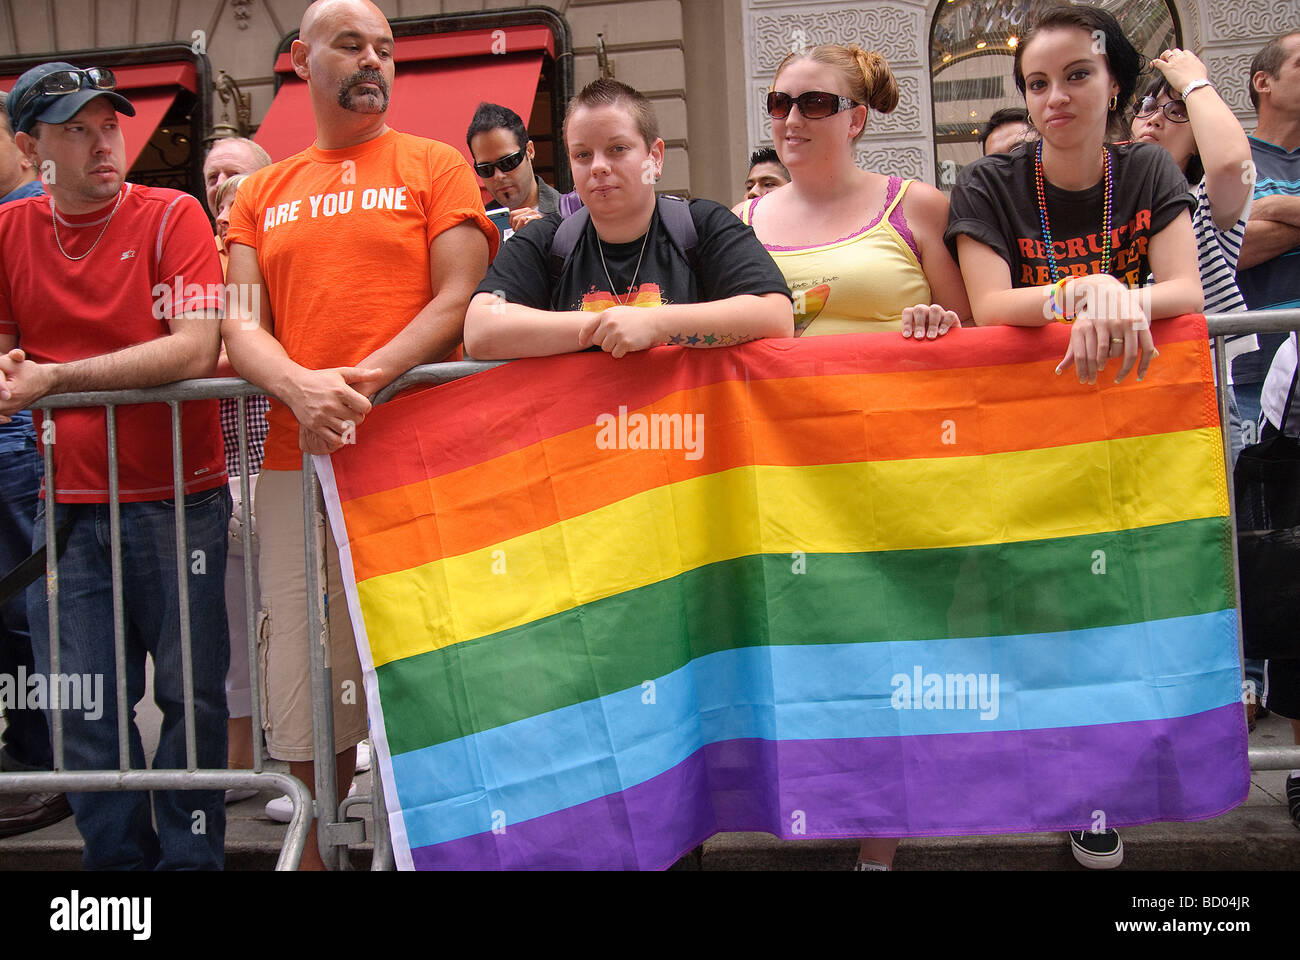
column 1185, row 768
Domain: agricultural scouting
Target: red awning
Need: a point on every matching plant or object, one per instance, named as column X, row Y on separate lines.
column 440, row 82
column 151, row 88
column 150, row 107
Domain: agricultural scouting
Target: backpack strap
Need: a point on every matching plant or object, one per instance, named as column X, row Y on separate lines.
column 565, row 239
column 570, row 203
column 673, row 211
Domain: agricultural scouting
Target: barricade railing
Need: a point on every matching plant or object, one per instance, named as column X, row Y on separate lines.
column 62, row 780
column 335, row 829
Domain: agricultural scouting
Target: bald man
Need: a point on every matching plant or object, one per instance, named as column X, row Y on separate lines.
column 365, row 248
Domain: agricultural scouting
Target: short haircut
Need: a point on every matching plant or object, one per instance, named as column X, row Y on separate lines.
column 1123, row 60
column 493, row 116
column 259, row 154
column 1001, row 118
column 611, row 93
column 1269, row 60
column 767, row 155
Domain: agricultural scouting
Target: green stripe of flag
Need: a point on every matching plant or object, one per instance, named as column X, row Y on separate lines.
column 1041, row 586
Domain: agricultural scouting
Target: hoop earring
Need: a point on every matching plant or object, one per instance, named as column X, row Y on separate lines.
column 1114, row 102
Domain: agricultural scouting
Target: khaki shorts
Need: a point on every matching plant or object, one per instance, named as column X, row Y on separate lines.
column 282, row 639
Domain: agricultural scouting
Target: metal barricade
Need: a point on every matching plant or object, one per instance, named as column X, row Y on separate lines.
column 61, row 780
column 335, row 828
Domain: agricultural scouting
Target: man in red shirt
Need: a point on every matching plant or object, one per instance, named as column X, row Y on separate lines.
column 108, row 285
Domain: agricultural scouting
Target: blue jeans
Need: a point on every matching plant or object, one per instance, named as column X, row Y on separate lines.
column 25, row 742
column 116, row 826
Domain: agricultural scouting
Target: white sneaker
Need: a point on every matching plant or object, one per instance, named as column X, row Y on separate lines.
column 281, row 808
column 237, row 794
column 363, row 756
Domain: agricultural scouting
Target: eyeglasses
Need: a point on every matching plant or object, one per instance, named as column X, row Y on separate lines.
column 1175, row 110
column 814, row 105
column 505, row 164
column 63, row 82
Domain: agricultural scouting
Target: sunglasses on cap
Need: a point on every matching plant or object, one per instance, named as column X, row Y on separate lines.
column 62, row 82
column 814, row 105
column 1175, row 110
column 505, row 164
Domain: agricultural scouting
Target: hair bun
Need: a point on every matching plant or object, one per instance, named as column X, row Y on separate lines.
column 882, row 88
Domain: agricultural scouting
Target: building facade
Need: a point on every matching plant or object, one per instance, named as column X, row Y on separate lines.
column 706, row 64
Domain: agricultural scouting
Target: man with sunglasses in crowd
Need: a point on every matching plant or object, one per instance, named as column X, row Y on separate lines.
column 503, row 157
column 78, row 312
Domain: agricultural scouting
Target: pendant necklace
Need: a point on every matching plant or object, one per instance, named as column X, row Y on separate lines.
column 1046, row 225
column 600, row 246
column 54, row 218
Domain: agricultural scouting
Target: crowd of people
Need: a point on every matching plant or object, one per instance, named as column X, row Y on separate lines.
column 1107, row 202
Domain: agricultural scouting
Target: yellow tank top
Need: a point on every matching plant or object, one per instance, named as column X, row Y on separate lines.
column 858, row 284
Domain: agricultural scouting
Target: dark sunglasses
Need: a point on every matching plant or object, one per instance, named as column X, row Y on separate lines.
column 505, row 164
column 63, row 82
column 1175, row 110
column 814, row 105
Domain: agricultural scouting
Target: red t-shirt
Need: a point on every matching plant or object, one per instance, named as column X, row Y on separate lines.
column 63, row 310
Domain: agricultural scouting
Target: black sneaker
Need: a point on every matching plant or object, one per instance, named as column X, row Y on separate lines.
column 1097, row 850
column 1293, row 798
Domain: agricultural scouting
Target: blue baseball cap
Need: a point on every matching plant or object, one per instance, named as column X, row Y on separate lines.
column 24, row 113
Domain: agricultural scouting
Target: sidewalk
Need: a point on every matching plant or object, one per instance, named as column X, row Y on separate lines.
column 1258, row 835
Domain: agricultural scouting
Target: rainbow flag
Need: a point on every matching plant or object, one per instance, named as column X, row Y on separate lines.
column 847, row 586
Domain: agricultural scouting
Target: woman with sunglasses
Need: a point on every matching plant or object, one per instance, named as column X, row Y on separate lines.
column 1066, row 228
column 862, row 251
column 721, row 289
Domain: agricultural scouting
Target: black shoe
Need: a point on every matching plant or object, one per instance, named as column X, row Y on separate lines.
column 1097, row 850
column 32, row 812
column 1293, row 798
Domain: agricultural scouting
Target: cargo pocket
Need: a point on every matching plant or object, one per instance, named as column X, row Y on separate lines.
column 263, row 646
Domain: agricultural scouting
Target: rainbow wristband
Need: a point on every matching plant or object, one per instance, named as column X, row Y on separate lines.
column 1057, row 296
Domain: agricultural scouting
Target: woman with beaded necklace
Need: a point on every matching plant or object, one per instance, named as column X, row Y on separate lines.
column 1069, row 227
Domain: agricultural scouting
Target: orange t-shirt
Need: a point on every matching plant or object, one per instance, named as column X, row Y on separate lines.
column 342, row 240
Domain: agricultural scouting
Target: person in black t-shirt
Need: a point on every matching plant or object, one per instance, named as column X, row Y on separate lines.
column 626, row 259
column 1067, row 227
column 1029, row 228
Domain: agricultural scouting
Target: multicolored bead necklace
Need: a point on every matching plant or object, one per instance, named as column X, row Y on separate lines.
column 1047, row 227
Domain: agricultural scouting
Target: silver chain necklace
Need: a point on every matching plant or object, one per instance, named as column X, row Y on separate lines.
column 600, row 246
column 54, row 218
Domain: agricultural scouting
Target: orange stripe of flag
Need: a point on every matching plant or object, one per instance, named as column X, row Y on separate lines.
column 937, row 414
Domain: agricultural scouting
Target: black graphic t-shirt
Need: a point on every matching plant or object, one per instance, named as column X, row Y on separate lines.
column 729, row 262
column 995, row 201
